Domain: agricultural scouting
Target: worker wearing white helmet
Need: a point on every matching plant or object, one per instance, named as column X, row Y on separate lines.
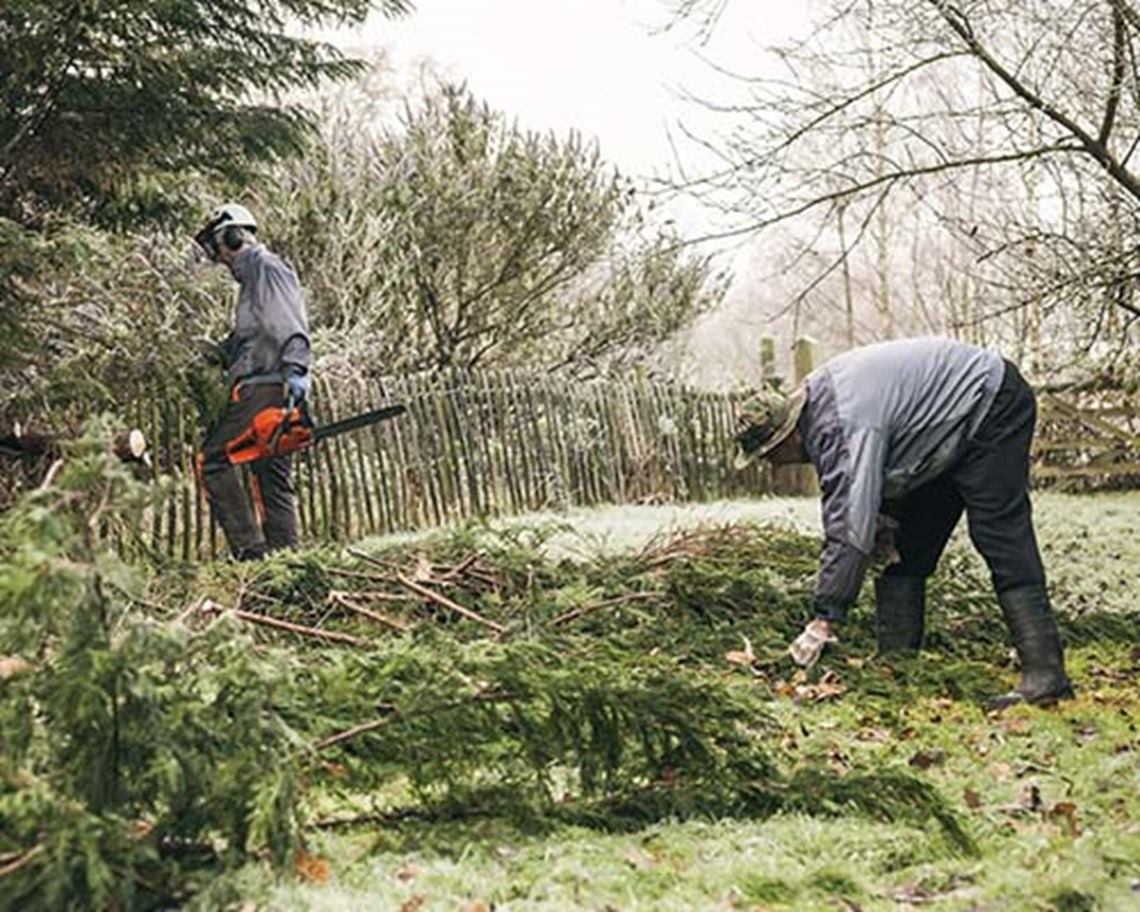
column 266, row 360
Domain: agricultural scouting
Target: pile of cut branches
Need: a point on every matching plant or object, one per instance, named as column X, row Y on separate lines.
column 159, row 729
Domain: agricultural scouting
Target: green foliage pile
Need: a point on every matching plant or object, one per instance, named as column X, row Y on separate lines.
column 150, row 742
column 127, row 742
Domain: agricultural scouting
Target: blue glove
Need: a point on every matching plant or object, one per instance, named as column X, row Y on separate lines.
column 298, row 384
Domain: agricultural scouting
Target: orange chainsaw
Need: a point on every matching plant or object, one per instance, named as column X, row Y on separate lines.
column 279, row 431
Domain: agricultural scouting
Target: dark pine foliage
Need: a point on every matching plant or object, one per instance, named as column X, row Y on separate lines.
column 105, row 106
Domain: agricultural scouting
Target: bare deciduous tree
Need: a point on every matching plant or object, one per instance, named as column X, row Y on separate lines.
column 1003, row 135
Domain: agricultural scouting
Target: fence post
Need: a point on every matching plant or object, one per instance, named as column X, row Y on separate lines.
column 798, row 480
column 767, row 360
column 805, row 351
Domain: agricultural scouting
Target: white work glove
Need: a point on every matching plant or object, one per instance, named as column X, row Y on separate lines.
column 806, row 648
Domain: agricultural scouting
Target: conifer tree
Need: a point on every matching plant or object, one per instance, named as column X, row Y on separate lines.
column 104, row 102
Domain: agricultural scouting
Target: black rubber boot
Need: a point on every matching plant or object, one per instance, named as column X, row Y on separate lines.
column 1038, row 643
column 900, row 613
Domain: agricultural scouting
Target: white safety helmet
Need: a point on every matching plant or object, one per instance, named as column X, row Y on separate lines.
column 226, row 225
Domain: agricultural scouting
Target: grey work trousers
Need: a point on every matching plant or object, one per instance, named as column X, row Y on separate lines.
column 267, row 520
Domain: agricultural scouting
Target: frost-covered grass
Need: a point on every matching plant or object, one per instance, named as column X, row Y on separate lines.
column 1050, row 796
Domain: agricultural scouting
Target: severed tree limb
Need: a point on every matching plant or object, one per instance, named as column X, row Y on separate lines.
column 458, row 569
column 10, row 864
column 392, row 714
column 354, row 731
column 342, row 599
column 575, row 613
column 267, row 621
column 129, row 446
column 444, row 602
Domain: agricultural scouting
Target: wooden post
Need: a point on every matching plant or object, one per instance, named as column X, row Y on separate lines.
column 767, row 359
column 805, row 351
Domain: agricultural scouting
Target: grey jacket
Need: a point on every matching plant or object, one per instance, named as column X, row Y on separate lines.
column 271, row 330
column 879, row 422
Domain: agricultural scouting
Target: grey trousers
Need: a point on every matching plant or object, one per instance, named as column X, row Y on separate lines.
column 263, row 517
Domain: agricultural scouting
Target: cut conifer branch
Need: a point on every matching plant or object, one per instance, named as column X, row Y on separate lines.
column 344, row 601
column 211, row 607
column 575, row 613
column 444, row 602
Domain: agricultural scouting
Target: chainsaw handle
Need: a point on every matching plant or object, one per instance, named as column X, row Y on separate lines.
column 283, row 426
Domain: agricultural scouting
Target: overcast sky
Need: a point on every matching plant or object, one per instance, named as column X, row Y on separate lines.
column 599, row 66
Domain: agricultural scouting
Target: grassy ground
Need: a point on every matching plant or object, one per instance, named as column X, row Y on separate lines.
column 1049, row 796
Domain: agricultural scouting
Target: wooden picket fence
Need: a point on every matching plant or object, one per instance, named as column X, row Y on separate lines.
column 472, row 444
column 488, row 443
column 1087, row 440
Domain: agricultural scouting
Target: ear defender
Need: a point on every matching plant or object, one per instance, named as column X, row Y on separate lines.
column 233, row 237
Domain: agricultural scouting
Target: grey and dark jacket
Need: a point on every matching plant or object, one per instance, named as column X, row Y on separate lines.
column 271, row 331
column 879, row 422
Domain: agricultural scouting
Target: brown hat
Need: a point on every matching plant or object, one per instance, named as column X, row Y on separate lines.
column 765, row 420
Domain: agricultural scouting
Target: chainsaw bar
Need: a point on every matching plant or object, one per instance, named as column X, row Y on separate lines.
column 358, row 421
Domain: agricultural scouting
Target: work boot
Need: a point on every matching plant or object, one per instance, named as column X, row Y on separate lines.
column 1038, row 644
column 900, row 612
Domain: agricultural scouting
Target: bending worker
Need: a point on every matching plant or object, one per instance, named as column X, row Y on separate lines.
column 266, row 360
column 919, row 430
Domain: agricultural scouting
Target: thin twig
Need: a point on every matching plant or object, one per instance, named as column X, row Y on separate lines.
column 21, row 860
column 458, row 569
column 342, row 599
column 374, row 561
column 444, row 602
column 575, row 613
column 353, row 732
column 490, row 695
column 251, row 617
column 52, row 471
column 350, row 574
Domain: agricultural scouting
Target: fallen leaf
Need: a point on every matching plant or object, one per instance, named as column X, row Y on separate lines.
column 827, row 687
column 1028, row 801
column 336, row 770
column 422, row 572
column 1000, row 771
column 414, row 904
column 741, row 657
column 973, row 799
column 639, row 860
column 1065, row 814
column 311, row 868
column 925, row 759
column 407, row 871
column 1015, row 725
column 784, row 688
column 476, row 906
